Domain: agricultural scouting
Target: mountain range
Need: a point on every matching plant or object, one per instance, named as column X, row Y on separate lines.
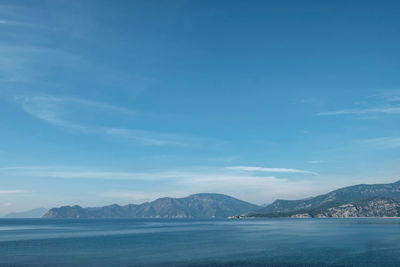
column 376, row 200
column 204, row 205
column 361, row 198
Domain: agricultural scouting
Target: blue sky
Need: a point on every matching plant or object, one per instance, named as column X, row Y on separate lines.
column 125, row 101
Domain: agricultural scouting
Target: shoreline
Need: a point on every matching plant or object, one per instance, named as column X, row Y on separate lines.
column 241, row 218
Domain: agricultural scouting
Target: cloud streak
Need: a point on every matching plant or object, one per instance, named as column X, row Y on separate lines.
column 139, row 186
column 202, row 173
column 315, row 161
column 378, row 110
column 176, row 183
column 146, row 137
column 271, row 170
column 12, row 192
column 383, row 142
column 64, row 112
column 139, row 197
column 52, row 109
column 388, row 95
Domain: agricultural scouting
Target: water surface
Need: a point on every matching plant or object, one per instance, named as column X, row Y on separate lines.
column 181, row 242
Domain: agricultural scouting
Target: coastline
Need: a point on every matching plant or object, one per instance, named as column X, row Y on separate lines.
column 251, row 217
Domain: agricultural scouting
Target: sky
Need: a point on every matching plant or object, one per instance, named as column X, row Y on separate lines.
column 123, row 102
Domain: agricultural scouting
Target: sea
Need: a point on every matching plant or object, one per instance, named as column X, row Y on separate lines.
column 190, row 242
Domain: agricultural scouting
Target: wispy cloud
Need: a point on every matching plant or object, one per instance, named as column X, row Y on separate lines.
column 190, row 174
column 68, row 112
column 394, row 98
column 16, row 23
column 139, row 197
column 21, row 168
column 52, row 109
column 365, row 111
column 11, row 192
column 46, row 109
column 79, row 173
column 243, row 186
column 315, row 161
column 381, row 103
column 271, row 170
column 246, row 185
column 388, row 95
column 383, row 142
column 19, row 62
column 147, row 137
column 179, row 183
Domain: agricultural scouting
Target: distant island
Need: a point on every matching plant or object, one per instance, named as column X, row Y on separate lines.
column 377, row 200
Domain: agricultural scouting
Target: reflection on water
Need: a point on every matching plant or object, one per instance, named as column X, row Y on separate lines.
column 256, row 242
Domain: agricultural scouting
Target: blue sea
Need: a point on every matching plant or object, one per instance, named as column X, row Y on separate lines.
column 184, row 242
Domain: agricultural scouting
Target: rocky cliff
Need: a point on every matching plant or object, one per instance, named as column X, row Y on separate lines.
column 377, row 207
